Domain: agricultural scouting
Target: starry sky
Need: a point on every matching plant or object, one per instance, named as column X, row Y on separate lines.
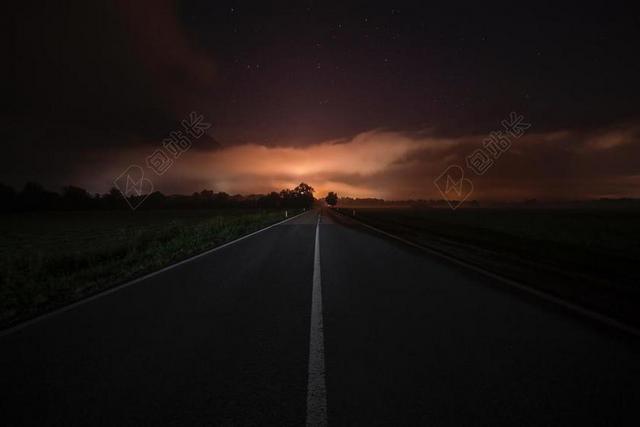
column 366, row 98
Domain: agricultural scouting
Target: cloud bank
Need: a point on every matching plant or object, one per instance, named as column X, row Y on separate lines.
column 398, row 165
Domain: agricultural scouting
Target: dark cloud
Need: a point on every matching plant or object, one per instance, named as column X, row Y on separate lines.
column 95, row 84
column 397, row 165
column 123, row 67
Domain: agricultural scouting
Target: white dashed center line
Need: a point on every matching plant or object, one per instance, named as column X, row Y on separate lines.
column 316, row 388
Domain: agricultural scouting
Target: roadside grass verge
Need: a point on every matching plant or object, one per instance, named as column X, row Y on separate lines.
column 585, row 256
column 51, row 259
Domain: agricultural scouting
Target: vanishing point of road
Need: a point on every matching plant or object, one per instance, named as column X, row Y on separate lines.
column 313, row 321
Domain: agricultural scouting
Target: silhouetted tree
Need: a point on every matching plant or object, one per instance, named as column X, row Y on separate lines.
column 303, row 195
column 272, row 200
column 332, row 198
column 7, row 198
column 113, row 200
column 156, row 200
column 34, row 197
column 221, row 199
column 76, row 198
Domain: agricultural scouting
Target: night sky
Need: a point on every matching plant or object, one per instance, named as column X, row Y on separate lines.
column 366, row 98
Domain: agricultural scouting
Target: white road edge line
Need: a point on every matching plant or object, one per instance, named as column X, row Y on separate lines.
column 134, row 281
column 316, row 387
column 588, row 313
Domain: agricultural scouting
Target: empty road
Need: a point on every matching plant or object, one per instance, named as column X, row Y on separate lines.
column 313, row 321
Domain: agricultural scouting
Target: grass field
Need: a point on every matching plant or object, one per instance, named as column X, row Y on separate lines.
column 588, row 256
column 51, row 259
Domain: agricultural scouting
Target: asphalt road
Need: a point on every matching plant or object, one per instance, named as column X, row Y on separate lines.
column 398, row 338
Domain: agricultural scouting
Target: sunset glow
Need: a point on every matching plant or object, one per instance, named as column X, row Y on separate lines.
column 391, row 164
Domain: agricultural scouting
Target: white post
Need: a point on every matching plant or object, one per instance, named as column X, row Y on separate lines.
column 286, row 214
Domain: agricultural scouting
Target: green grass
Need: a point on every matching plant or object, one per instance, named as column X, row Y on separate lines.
column 54, row 258
column 588, row 256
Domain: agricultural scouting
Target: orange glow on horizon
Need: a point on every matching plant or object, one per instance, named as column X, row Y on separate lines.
column 395, row 165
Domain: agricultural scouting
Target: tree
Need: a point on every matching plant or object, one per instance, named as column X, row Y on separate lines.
column 332, row 198
column 304, row 188
column 299, row 197
column 303, row 195
column 7, row 198
column 34, row 197
column 76, row 198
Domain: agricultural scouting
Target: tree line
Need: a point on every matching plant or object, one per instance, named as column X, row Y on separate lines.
column 34, row 197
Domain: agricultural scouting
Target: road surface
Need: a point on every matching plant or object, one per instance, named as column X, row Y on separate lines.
column 319, row 324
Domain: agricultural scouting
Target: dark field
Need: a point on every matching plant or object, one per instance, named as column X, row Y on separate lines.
column 586, row 256
column 51, row 259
